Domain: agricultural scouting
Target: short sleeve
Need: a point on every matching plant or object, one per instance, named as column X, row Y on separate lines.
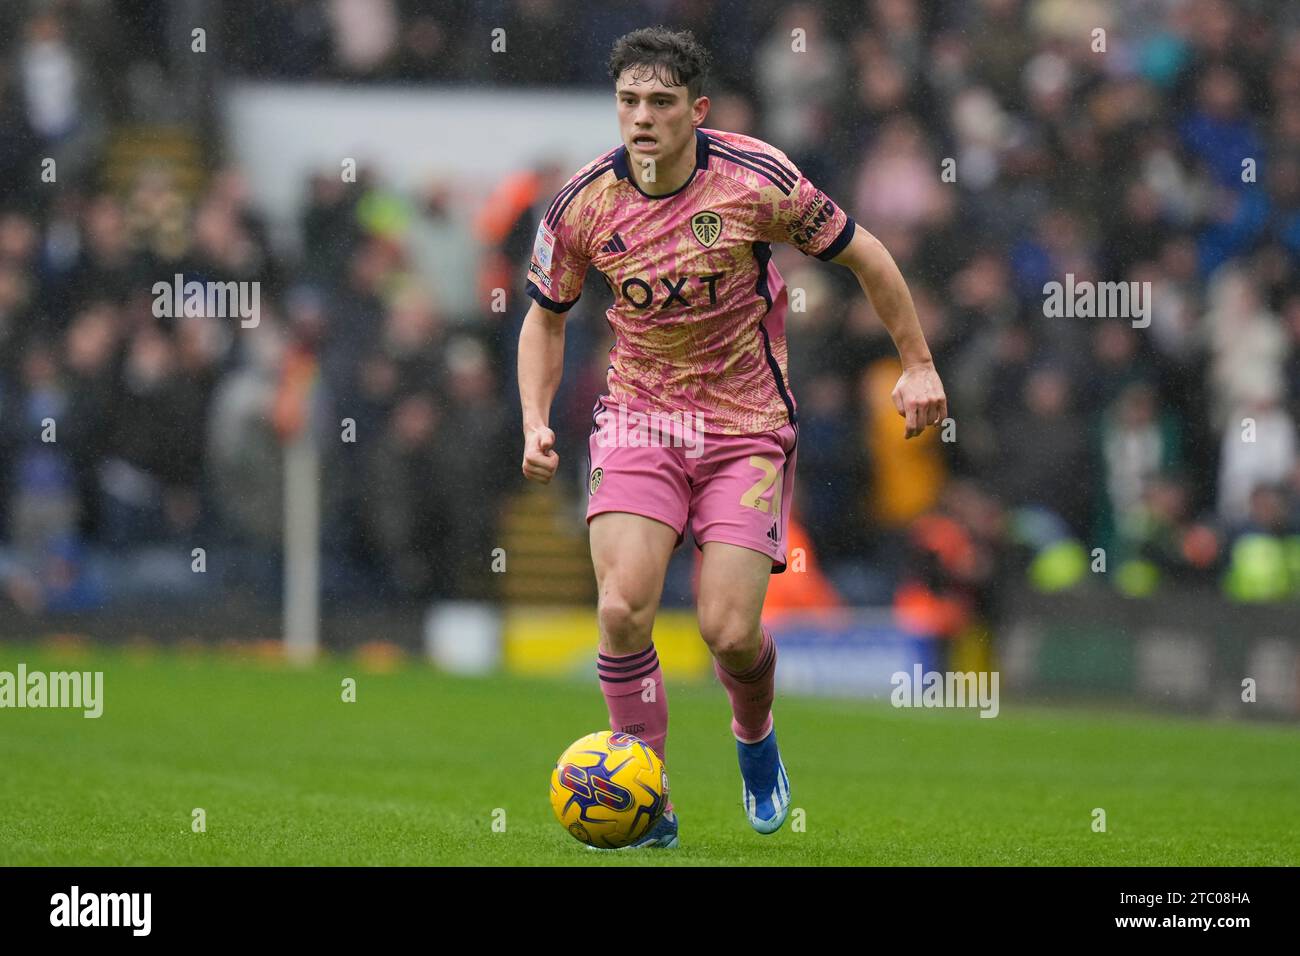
column 808, row 220
column 559, row 263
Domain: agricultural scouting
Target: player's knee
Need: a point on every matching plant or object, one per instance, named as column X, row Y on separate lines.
column 622, row 623
column 730, row 635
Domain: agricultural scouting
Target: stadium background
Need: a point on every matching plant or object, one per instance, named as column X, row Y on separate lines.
column 393, row 299
column 1072, row 434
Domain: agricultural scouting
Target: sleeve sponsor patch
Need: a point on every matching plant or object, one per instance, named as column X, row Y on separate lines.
column 821, row 210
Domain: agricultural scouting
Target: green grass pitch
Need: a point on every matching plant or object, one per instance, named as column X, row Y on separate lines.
column 413, row 771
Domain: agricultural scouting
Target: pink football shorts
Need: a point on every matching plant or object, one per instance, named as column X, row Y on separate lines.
column 732, row 488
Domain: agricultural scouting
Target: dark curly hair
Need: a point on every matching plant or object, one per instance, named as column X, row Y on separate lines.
column 677, row 59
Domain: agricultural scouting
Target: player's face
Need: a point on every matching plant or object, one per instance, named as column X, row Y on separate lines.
column 656, row 121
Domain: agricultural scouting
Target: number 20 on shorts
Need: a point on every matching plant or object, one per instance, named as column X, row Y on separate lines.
column 753, row 497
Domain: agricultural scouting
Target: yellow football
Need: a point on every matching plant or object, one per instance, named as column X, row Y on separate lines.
column 608, row 789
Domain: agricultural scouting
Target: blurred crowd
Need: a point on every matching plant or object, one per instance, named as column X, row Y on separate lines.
column 994, row 146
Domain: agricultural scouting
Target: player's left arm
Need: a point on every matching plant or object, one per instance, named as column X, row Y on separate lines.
column 806, row 218
column 919, row 395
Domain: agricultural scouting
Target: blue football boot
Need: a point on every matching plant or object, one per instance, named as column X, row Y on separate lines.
column 765, row 786
column 661, row 836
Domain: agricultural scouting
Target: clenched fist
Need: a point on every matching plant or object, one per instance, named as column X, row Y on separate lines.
column 920, row 399
column 540, row 461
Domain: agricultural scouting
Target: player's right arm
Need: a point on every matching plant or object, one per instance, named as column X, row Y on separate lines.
column 541, row 364
column 555, row 273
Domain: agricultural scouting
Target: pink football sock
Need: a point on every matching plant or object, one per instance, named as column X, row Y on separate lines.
column 633, row 685
column 751, row 693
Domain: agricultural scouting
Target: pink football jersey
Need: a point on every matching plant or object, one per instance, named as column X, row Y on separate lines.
column 699, row 308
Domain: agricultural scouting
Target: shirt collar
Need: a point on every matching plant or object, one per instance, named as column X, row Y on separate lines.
column 623, row 171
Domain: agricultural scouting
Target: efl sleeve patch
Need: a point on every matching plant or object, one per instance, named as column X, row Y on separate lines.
column 544, row 247
column 557, row 265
